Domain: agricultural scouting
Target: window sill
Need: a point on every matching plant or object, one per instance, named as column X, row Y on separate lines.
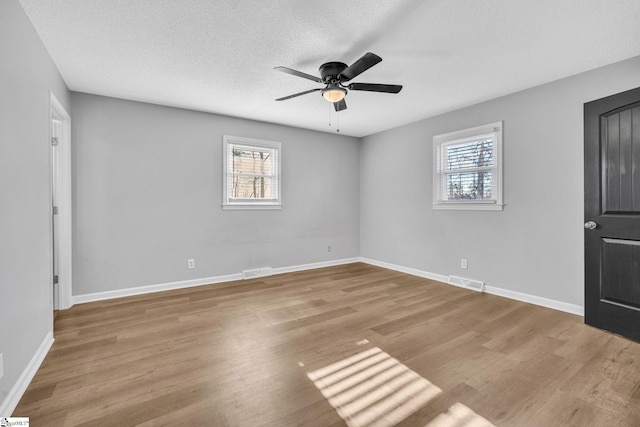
column 469, row 206
column 250, row 207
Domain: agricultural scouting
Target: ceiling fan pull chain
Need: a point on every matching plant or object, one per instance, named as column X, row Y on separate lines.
column 337, row 122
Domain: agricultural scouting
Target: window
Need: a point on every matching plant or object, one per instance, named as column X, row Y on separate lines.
column 251, row 174
column 468, row 169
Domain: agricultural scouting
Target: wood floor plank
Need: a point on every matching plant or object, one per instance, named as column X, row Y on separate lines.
column 238, row 354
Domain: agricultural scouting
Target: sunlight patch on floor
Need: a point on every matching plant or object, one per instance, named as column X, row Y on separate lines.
column 372, row 388
column 459, row 415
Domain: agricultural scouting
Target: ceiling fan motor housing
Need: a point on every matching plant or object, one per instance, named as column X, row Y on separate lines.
column 329, row 71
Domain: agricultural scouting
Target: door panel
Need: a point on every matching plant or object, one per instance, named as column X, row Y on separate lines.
column 621, row 272
column 612, row 201
column 619, row 136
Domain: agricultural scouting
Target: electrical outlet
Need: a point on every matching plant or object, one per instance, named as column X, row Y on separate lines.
column 1, row 366
column 329, row 248
column 191, row 263
column 463, row 263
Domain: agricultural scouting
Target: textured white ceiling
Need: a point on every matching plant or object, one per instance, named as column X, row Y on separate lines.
column 218, row 56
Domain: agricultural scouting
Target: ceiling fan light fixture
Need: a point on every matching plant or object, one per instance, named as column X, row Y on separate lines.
column 334, row 93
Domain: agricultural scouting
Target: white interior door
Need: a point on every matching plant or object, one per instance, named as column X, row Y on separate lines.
column 60, row 204
column 56, row 135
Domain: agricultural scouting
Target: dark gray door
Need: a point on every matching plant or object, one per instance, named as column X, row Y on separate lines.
column 612, row 213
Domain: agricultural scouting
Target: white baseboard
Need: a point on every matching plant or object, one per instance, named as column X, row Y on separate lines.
column 15, row 394
column 534, row 299
column 140, row 290
column 101, row 296
column 302, row 267
column 519, row 296
column 408, row 270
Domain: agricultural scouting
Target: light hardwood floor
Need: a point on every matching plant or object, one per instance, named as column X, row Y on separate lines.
column 239, row 354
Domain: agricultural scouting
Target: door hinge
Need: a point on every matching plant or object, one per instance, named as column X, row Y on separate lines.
column 55, row 210
column 55, row 279
column 54, row 141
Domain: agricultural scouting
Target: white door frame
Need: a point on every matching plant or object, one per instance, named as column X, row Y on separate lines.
column 57, row 111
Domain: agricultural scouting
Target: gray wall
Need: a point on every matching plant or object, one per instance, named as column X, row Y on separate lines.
column 535, row 245
column 26, row 76
column 148, row 195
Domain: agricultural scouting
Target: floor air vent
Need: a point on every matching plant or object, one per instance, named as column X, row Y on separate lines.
column 474, row 285
column 258, row 272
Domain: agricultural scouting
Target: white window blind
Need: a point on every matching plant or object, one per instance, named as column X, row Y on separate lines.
column 251, row 173
column 468, row 170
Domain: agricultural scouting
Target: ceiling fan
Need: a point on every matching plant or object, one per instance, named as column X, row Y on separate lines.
column 334, row 75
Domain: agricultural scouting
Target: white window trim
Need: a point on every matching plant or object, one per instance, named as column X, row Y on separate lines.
column 250, row 204
column 460, row 136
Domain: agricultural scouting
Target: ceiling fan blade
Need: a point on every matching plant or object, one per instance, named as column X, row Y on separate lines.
column 298, row 94
column 299, row 74
column 367, row 61
column 340, row 105
column 375, row 87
